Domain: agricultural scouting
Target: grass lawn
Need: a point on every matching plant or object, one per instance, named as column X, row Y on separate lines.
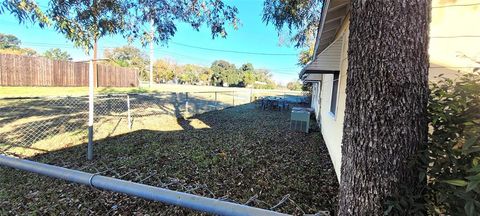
column 233, row 154
column 35, row 126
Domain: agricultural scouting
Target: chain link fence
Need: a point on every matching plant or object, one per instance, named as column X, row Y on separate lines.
column 37, row 125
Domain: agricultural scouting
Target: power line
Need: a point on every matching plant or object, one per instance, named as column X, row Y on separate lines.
column 66, row 46
column 233, row 51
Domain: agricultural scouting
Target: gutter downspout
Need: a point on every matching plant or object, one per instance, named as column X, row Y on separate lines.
column 186, row 200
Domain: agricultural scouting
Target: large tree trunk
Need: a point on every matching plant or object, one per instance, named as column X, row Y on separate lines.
column 387, row 92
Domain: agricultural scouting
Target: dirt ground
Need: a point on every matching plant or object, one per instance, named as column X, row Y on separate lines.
column 242, row 154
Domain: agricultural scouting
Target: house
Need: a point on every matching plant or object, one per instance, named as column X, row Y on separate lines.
column 453, row 49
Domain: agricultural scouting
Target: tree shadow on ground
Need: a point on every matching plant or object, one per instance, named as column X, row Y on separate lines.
column 244, row 154
column 27, row 121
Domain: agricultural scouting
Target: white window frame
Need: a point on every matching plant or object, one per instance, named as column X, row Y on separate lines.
column 333, row 109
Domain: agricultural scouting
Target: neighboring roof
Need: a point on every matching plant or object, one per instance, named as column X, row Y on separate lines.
column 333, row 15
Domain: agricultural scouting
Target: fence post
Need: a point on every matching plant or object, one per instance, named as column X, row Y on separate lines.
column 233, row 97
column 90, row 111
column 128, row 113
column 251, row 95
column 216, row 102
column 186, row 103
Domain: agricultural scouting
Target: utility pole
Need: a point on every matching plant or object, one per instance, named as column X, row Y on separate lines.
column 151, row 54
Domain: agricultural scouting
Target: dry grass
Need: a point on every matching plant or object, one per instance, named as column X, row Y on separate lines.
column 36, row 126
column 158, row 88
column 232, row 154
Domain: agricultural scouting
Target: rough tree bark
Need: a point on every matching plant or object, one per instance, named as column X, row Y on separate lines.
column 387, row 92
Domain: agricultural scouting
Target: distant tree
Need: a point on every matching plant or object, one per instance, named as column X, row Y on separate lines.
column 247, row 73
column 294, row 86
column 129, row 56
column 205, row 76
column 8, row 41
column 57, row 54
column 10, row 44
column 224, row 73
column 28, row 51
column 263, row 79
column 263, row 75
column 190, row 74
column 20, row 51
column 163, row 70
column 246, row 67
column 248, row 78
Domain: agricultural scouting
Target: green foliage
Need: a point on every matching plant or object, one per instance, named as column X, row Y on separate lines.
column 248, row 74
column 189, row 74
column 306, row 54
column 449, row 166
column 246, row 67
column 8, row 41
column 454, row 146
column 224, row 73
column 25, row 11
column 83, row 22
column 19, row 51
column 248, row 78
column 10, row 44
column 129, row 56
column 163, row 70
column 301, row 16
column 57, row 54
column 294, row 86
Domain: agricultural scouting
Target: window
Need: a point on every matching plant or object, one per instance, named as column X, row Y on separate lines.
column 333, row 100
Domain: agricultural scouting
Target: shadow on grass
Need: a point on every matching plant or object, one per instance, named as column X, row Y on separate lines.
column 25, row 122
column 243, row 153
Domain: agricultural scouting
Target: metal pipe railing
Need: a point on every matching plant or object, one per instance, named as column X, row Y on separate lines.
column 186, row 200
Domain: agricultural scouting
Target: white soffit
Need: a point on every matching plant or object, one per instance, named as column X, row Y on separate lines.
column 328, row 60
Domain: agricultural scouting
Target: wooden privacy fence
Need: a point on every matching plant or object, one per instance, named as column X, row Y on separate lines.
column 17, row 70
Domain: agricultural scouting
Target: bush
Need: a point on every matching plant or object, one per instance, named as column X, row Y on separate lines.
column 454, row 147
column 449, row 165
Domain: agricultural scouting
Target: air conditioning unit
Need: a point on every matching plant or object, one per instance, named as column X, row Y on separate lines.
column 300, row 120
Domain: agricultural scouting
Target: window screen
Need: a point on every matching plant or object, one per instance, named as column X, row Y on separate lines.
column 333, row 103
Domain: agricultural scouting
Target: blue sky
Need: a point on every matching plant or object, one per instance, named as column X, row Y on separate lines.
column 252, row 36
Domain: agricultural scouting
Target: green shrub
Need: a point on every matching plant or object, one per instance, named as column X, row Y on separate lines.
column 454, row 146
column 450, row 164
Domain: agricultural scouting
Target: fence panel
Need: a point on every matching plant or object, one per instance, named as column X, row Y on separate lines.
column 36, row 125
column 17, row 70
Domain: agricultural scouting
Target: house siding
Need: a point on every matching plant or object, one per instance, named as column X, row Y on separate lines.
column 332, row 125
column 451, row 45
column 329, row 59
column 448, row 55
